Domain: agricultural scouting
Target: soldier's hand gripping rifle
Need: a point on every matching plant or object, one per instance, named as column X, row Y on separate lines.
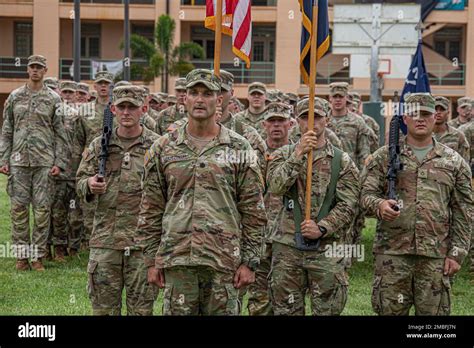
column 394, row 164
column 106, row 133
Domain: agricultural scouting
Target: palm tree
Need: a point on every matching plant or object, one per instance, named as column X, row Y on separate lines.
column 163, row 58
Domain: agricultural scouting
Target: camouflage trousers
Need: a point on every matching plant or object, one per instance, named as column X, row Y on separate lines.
column 199, row 290
column 403, row 281
column 110, row 272
column 295, row 273
column 259, row 302
column 30, row 185
column 66, row 216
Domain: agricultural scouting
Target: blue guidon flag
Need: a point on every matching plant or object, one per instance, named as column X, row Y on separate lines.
column 417, row 81
column 323, row 39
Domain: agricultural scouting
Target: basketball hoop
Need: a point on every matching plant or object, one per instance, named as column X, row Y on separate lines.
column 385, row 67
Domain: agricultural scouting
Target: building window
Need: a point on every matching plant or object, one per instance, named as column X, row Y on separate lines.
column 90, row 40
column 205, row 38
column 258, row 51
column 23, row 44
column 447, row 42
column 144, row 30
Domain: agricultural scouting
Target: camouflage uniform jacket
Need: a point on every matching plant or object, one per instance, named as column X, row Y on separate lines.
column 253, row 120
column 252, row 136
column 286, row 168
column 354, row 135
column 456, row 140
column 148, row 122
column 168, row 116
column 199, row 208
column 369, row 121
column 455, row 123
column 116, row 211
column 91, row 122
column 373, row 132
column 436, row 199
column 468, row 131
column 70, row 118
column 33, row 132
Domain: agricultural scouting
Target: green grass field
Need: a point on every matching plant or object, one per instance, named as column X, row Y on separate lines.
column 61, row 290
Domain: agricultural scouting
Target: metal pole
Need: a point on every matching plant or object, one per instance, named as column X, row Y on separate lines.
column 374, row 61
column 126, row 53
column 77, row 40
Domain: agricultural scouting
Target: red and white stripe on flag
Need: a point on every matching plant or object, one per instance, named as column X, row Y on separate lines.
column 236, row 22
column 242, row 30
column 210, row 22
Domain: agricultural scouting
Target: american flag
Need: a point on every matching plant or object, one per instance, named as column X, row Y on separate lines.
column 236, row 22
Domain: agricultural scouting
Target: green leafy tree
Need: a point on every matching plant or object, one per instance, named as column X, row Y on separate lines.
column 162, row 57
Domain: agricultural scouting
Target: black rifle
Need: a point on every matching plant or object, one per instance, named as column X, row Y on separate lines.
column 106, row 134
column 394, row 165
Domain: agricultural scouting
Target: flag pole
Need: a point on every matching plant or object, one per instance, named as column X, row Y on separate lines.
column 312, row 93
column 218, row 38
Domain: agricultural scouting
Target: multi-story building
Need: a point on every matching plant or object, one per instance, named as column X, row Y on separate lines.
column 46, row 27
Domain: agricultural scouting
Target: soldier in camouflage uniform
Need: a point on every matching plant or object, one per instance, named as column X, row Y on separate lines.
column 235, row 106
column 202, row 214
column 82, row 93
column 155, row 104
column 277, row 126
column 90, row 126
column 148, row 118
column 31, row 154
column 175, row 112
column 319, row 272
column 468, row 131
column 418, row 247
column 464, row 113
column 350, row 128
column 115, row 262
column 369, row 121
column 53, row 83
column 446, row 134
column 255, row 113
column 66, row 213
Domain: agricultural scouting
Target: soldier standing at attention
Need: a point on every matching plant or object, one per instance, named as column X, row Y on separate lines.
column 202, row 214
column 277, row 126
column 82, row 93
column 464, row 113
column 174, row 112
column 351, row 129
column 254, row 115
column 31, row 154
column 335, row 191
column 446, row 134
column 423, row 241
column 115, row 263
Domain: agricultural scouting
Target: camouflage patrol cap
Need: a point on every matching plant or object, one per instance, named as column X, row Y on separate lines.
column 227, row 80
column 257, row 87
column 442, row 101
column 51, row 82
column 171, row 99
column 205, row 77
column 419, row 102
column 162, row 95
column 272, row 96
column 131, row 94
column 356, row 98
column 464, row 101
column 292, row 97
column 277, row 110
column 338, row 88
column 180, row 84
column 83, row 87
column 122, row 83
column 104, row 76
column 282, row 97
column 320, row 107
column 37, row 59
column 68, row 86
column 156, row 97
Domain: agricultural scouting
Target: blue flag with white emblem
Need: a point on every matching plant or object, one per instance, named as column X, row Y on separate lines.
column 417, row 81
